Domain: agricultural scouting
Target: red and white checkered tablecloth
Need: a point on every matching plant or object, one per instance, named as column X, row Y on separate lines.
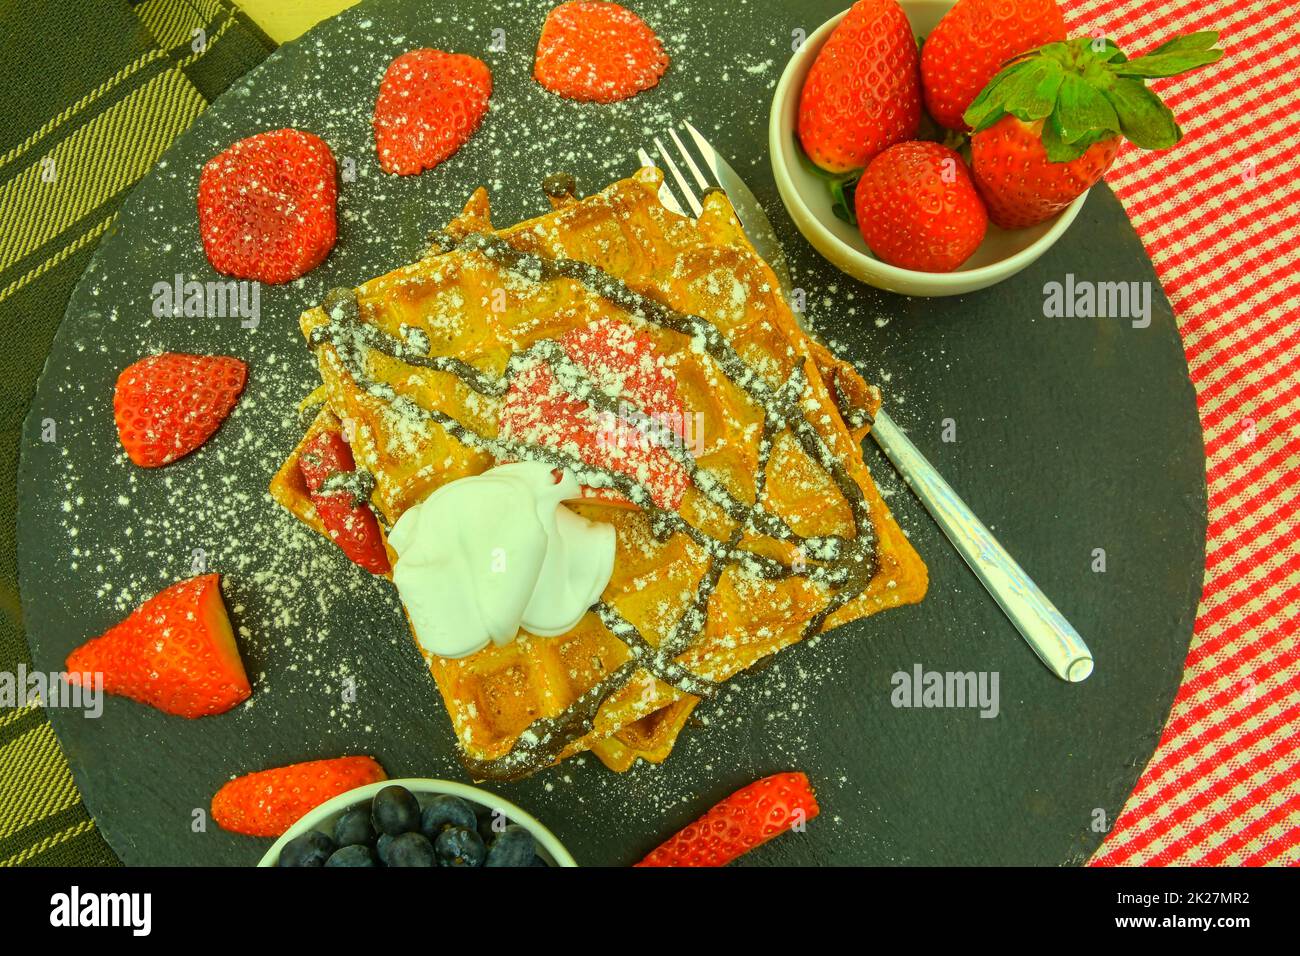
column 1220, row 217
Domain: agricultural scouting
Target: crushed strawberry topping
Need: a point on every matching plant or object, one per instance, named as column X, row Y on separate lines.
column 632, row 437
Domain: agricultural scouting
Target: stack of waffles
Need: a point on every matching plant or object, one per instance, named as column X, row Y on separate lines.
column 778, row 533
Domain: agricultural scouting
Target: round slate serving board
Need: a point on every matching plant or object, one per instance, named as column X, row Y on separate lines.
column 1071, row 435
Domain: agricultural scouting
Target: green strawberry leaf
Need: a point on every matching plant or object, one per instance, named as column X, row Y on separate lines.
column 1082, row 109
column 1105, row 50
column 1058, row 150
column 1086, row 90
column 1033, row 94
column 1093, row 51
column 990, row 105
column 1178, row 55
column 1203, row 40
column 843, row 202
column 1059, row 51
column 1143, row 118
column 983, row 112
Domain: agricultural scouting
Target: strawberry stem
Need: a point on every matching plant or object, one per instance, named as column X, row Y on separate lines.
column 1086, row 90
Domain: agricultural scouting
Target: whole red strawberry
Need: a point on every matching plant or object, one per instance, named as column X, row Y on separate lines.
column 268, row 802
column 167, row 405
column 748, row 818
column 630, row 440
column 1020, row 185
column 429, row 105
column 175, row 652
column 972, row 42
column 863, row 92
column 600, row 52
column 350, row 525
column 266, row 206
column 917, row 208
column 1048, row 126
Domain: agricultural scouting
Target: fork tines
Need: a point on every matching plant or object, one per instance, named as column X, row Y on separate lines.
column 695, row 164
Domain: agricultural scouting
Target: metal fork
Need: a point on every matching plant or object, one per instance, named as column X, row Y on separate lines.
column 689, row 159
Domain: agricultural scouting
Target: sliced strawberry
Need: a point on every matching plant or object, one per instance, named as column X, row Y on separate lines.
column 748, row 818
column 597, row 51
column 350, row 525
column 620, row 362
column 267, row 206
column 175, row 652
column 430, row 103
column 268, row 802
column 167, row 405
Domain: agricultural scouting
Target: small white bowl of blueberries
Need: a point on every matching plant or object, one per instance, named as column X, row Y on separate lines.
column 417, row 822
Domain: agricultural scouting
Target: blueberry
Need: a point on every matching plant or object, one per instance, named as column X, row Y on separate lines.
column 395, row 811
column 411, row 849
column 491, row 823
column 512, row 847
column 307, row 849
column 538, row 861
column 354, row 855
column 383, row 846
column 444, row 811
column 354, row 828
column 458, row 846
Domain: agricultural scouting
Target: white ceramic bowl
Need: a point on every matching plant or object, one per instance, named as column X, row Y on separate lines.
column 1003, row 252
column 323, row 817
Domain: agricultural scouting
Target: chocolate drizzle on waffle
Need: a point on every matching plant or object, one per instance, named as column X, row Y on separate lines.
column 844, row 565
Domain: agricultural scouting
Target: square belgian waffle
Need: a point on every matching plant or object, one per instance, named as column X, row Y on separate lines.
column 780, row 532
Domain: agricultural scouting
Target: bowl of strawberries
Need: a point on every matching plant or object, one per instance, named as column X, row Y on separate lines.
column 935, row 148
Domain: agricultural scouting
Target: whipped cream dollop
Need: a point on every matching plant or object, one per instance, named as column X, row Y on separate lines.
column 486, row 555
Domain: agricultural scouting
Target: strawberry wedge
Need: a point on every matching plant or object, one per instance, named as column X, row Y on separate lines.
column 350, row 525
column 175, row 652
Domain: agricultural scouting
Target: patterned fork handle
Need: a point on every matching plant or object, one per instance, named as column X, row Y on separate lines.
column 1051, row 636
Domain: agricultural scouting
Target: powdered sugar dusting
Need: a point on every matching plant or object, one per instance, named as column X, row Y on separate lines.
column 331, row 660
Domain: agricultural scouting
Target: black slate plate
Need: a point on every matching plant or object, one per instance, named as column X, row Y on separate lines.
column 1072, row 435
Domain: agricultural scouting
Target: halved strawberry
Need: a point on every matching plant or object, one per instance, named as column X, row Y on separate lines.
column 350, row 525
column 748, row 818
column 167, row 405
column 620, row 362
column 266, row 206
column 268, row 802
column 429, row 104
column 597, row 51
column 175, row 652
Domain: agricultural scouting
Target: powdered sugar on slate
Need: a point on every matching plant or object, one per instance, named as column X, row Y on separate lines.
column 326, row 645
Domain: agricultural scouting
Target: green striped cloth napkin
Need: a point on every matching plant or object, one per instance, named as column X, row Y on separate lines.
column 92, row 93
